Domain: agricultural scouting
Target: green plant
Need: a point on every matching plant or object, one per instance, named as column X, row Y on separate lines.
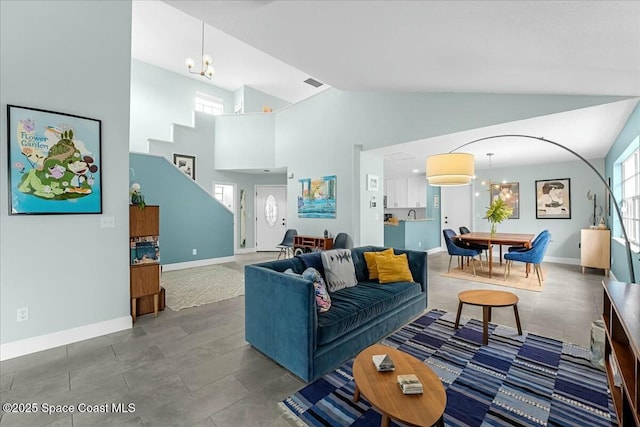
column 497, row 212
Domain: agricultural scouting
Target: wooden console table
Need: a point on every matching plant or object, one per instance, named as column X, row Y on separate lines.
column 303, row 244
column 622, row 348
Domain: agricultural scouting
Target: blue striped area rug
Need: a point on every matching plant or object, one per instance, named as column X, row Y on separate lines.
column 527, row 380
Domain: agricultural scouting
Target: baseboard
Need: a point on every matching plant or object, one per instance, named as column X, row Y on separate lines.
column 556, row 260
column 198, row 263
column 560, row 260
column 246, row 251
column 435, row 251
column 56, row 339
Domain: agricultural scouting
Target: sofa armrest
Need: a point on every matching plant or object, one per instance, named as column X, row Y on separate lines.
column 280, row 317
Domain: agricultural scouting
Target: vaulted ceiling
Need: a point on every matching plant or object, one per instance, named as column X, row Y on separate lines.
column 525, row 47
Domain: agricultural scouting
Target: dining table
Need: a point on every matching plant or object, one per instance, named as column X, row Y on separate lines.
column 489, row 239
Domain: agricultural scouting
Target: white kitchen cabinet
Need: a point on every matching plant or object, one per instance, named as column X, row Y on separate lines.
column 417, row 191
column 396, row 192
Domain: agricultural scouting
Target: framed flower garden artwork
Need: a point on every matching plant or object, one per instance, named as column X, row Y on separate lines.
column 54, row 162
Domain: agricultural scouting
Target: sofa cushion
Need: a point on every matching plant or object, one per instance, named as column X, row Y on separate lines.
column 393, row 268
column 339, row 269
column 357, row 305
column 372, row 265
column 313, row 259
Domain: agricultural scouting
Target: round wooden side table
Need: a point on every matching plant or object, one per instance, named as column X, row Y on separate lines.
column 488, row 299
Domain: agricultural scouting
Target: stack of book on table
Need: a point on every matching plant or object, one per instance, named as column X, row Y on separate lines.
column 410, row 384
column 383, row 362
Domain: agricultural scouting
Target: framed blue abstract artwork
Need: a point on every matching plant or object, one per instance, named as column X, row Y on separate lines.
column 317, row 197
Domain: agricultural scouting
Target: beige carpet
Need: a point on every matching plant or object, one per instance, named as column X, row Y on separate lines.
column 516, row 280
column 192, row 287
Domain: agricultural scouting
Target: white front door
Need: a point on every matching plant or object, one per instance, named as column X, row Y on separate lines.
column 456, row 209
column 271, row 216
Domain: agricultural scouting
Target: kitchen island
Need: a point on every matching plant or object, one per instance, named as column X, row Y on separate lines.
column 412, row 234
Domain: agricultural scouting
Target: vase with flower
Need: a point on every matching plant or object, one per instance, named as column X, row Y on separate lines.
column 136, row 195
column 497, row 212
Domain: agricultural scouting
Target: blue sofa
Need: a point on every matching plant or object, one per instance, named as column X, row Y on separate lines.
column 282, row 322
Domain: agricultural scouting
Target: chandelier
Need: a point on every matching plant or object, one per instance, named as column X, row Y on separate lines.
column 206, row 69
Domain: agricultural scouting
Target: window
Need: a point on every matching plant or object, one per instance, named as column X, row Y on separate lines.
column 631, row 196
column 209, row 104
column 225, row 194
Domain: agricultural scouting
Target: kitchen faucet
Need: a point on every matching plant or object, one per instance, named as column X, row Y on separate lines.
column 414, row 213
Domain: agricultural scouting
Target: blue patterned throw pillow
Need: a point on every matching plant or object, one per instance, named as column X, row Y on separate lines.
column 323, row 300
column 339, row 269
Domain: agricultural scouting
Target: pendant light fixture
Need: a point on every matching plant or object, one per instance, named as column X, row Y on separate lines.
column 490, row 183
column 206, row 70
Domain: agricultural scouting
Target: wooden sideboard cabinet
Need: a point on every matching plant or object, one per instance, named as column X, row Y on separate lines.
column 621, row 351
column 595, row 249
column 144, row 272
column 302, row 244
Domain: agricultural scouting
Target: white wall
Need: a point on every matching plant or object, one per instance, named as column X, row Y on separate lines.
column 198, row 140
column 69, row 57
column 315, row 137
column 255, row 100
column 565, row 232
column 245, row 141
column 370, row 218
column 160, row 98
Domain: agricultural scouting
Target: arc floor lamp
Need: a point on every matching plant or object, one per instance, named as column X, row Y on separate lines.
column 451, row 168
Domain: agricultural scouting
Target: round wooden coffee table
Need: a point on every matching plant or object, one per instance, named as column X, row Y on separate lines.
column 382, row 390
column 488, row 299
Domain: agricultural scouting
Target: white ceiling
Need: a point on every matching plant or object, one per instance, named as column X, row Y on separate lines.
column 529, row 47
column 164, row 36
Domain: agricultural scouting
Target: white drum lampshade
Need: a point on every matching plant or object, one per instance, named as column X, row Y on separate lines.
column 450, row 169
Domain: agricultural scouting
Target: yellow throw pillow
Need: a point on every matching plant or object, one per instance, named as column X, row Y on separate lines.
column 370, row 259
column 394, row 269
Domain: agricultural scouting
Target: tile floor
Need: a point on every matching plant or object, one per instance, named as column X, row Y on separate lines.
column 193, row 367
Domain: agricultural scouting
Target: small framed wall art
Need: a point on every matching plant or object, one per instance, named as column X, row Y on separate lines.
column 54, row 162
column 509, row 192
column 373, row 183
column 186, row 164
column 553, row 199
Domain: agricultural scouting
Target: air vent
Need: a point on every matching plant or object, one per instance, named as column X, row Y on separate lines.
column 313, row 82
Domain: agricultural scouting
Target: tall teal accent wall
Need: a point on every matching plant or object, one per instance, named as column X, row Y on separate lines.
column 190, row 218
column 629, row 135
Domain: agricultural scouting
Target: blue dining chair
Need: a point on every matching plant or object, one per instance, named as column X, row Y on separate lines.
column 522, row 248
column 461, row 251
column 482, row 247
column 534, row 256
